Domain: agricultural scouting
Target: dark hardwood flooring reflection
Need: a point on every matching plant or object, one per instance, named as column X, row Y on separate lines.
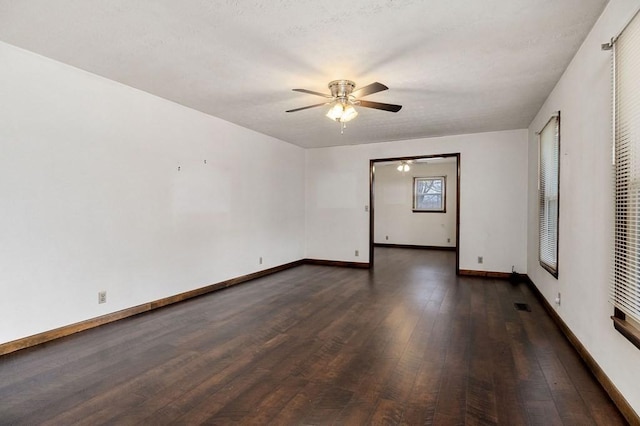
column 409, row 343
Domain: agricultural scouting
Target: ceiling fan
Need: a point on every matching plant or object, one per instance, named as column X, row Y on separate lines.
column 343, row 98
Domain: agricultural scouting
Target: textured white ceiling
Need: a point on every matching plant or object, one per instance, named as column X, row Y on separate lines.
column 456, row 66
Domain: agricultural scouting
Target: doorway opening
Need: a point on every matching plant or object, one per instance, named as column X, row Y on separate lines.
column 417, row 203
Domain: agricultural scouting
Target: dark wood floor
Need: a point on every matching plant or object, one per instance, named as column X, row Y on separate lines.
column 409, row 343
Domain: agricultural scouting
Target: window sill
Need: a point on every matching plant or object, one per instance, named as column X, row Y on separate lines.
column 549, row 269
column 627, row 330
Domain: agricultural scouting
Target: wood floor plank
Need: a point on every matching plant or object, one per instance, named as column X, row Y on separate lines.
column 387, row 412
column 297, row 408
column 407, row 343
column 357, row 412
column 543, row 413
column 273, row 402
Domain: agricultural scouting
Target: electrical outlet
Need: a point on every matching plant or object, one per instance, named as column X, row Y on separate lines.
column 261, row 260
column 448, row 240
column 357, row 253
column 480, row 259
column 386, row 238
column 366, row 208
column 102, row 297
column 558, row 299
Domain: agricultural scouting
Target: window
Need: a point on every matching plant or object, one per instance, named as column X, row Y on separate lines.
column 429, row 194
column 625, row 288
column 549, row 194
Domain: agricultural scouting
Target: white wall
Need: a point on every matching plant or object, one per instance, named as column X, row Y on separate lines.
column 493, row 203
column 91, row 197
column 583, row 96
column 396, row 223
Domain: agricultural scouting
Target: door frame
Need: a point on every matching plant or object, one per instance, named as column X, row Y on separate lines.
column 372, row 199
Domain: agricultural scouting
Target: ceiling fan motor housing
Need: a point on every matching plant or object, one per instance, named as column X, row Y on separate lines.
column 341, row 88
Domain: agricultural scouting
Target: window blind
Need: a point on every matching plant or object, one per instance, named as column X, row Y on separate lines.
column 625, row 289
column 548, row 193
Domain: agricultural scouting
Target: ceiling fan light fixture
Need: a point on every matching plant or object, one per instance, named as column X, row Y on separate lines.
column 341, row 111
column 348, row 114
column 403, row 167
column 335, row 111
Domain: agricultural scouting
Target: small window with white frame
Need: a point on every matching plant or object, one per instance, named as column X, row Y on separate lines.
column 429, row 194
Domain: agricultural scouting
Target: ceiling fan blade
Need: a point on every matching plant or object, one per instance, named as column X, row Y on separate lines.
column 378, row 105
column 369, row 89
column 311, row 92
column 307, row 107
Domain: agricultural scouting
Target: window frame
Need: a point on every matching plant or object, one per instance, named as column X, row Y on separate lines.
column 625, row 283
column 545, row 236
column 443, row 194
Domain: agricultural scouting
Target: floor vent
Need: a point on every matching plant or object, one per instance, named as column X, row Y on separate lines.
column 522, row 307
